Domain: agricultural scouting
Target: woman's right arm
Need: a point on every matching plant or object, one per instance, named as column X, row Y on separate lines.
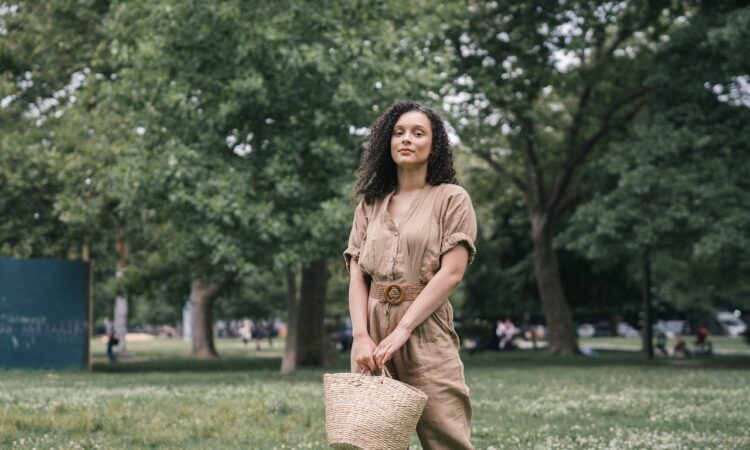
column 362, row 345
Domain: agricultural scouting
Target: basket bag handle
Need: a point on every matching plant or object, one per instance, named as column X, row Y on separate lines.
column 384, row 373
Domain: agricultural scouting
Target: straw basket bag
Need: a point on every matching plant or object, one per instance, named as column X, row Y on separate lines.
column 365, row 412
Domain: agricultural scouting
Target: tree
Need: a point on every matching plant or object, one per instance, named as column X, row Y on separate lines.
column 54, row 189
column 245, row 120
column 676, row 189
column 47, row 51
column 544, row 88
column 501, row 282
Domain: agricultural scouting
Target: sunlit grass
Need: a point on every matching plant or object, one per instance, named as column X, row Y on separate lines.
column 159, row 399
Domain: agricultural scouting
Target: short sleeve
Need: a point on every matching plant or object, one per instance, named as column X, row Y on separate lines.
column 459, row 223
column 357, row 236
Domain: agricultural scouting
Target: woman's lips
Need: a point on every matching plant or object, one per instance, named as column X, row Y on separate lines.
column 405, row 150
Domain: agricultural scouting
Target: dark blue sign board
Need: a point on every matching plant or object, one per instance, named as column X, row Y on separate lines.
column 45, row 314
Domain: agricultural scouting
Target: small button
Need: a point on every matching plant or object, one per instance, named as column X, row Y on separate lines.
column 393, row 258
column 395, row 232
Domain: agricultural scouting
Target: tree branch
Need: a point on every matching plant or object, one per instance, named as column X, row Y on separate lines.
column 576, row 158
column 535, row 169
column 499, row 168
column 576, row 122
column 569, row 200
column 620, row 39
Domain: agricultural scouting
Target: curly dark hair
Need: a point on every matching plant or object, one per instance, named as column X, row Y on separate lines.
column 377, row 171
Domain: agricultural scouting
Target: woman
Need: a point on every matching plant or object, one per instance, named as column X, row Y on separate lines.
column 412, row 238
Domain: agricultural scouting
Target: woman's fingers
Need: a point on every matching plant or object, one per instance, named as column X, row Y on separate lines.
column 382, row 354
column 370, row 361
column 363, row 349
column 365, row 363
column 361, row 364
column 366, row 359
column 377, row 355
column 386, row 357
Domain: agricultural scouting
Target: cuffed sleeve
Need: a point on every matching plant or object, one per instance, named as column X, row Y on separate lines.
column 357, row 235
column 459, row 224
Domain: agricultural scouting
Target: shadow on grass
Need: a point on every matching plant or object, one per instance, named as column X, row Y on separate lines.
column 486, row 360
column 225, row 364
column 232, row 363
column 541, row 358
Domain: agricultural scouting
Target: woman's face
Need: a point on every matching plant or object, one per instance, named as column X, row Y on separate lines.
column 411, row 141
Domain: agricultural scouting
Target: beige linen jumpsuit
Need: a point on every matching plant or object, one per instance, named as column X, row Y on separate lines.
column 439, row 218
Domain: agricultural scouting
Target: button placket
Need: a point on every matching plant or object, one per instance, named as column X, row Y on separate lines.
column 394, row 251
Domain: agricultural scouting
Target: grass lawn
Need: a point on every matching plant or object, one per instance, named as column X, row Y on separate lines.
column 721, row 344
column 158, row 399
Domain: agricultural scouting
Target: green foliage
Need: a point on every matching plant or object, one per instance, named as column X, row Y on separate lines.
column 500, row 281
column 48, row 191
column 677, row 186
column 56, row 194
column 220, row 140
column 215, row 140
column 541, row 89
column 551, row 84
column 259, row 295
column 246, row 114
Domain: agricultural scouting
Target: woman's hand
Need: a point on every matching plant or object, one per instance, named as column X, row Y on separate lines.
column 362, row 352
column 390, row 345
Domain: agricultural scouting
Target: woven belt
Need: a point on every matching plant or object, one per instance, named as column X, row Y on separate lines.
column 394, row 293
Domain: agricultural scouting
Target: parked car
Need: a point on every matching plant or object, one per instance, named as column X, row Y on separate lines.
column 586, row 330
column 623, row 329
column 732, row 324
column 670, row 328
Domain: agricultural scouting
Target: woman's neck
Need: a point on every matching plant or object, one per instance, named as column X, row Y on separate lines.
column 408, row 180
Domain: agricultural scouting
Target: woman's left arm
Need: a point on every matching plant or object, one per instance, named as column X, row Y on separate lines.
column 452, row 266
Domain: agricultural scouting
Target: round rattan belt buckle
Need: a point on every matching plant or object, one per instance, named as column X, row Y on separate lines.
column 387, row 294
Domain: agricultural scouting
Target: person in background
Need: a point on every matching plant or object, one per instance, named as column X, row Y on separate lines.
column 500, row 333
column 680, row 349
column 509, row 333
column 703, row 346
column 246, row 331
column 661, row 344
column 109, row 332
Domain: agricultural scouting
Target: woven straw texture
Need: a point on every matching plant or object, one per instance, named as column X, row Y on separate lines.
column 365, row 412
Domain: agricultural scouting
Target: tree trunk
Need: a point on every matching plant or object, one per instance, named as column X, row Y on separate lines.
column 648, row 343
column 202, row 299
column 311, row 332
column 121, row 301
column 288, row 362
column 307, row 339
column 561, row 335
column 121, row 324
